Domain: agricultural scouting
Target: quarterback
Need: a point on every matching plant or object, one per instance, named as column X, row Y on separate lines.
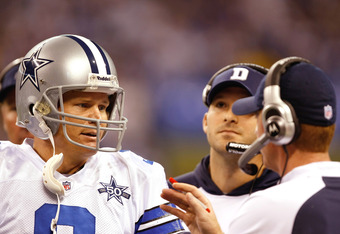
column 65, row 180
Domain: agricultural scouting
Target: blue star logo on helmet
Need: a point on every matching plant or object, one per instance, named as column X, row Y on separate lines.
column 31, row 66
column 114, row 190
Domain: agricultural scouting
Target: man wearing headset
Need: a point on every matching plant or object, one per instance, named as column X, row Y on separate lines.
column 218, row 175
column 14, row 133
column 296, row 106
column 65, row 180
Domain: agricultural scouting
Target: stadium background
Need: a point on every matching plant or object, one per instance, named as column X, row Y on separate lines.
column 165, row 51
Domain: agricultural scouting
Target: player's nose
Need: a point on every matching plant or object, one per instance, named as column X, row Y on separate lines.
column 95, row 112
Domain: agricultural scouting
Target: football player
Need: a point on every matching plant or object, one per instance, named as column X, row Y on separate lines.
column 65, row 180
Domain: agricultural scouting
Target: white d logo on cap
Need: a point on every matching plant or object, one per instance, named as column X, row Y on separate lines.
column 240, row 73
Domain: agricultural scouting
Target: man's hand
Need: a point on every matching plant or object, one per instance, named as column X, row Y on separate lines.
column 188, row 198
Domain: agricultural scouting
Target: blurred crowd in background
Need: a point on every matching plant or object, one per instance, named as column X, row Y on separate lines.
column 165, row 51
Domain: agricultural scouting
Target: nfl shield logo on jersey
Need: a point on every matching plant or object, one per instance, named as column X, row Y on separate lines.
column 67, row 185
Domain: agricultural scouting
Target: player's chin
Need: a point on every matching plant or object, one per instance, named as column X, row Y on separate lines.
column 237, row 139
column 87, row 151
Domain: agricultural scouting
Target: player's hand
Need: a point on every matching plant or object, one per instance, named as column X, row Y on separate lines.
column 191, row 211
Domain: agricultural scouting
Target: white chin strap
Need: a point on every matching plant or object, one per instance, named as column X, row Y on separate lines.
column 50, row 182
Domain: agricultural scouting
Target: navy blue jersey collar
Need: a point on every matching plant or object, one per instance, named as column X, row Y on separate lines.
column 200, row 177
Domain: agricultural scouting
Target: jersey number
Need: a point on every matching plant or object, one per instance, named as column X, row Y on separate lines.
column 78, row 218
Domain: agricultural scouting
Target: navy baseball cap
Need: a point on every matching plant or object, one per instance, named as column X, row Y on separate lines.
column 245, row 75
column 307, row 88
column 7, row 78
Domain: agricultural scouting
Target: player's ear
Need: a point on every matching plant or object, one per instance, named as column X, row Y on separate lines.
column 205, row 123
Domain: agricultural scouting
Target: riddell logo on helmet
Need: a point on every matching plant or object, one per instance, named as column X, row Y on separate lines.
column 95, row 79
column 103, row 78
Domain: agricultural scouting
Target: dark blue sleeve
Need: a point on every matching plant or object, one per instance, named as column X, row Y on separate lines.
column 321, row 212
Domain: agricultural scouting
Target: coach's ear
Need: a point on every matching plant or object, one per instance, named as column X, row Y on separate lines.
column 205, row 123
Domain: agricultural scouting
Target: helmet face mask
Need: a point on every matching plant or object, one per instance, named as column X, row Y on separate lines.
column 61, row 64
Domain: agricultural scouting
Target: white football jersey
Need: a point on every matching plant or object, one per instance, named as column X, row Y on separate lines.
column 113, row 193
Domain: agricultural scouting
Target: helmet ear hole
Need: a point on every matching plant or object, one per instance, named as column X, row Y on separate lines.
column 112, row 99
column 31, row 108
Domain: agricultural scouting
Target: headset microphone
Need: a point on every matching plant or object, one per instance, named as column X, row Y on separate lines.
column 254, row 149
column 236, row 148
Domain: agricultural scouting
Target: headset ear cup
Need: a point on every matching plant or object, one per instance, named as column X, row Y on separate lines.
column 275, row 128
column 273, row 123
column 205, row 93
column 279, row 130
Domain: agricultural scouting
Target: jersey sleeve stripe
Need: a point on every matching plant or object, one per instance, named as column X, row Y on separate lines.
column 154, row 213
column 155, row 220
column 173, row 226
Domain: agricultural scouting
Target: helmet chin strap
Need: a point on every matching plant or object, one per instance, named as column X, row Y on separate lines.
column 50, row 182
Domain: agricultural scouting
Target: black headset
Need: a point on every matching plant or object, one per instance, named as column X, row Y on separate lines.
column 207, row 88
column 278, row 116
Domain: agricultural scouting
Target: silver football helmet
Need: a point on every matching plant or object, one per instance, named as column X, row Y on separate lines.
column 60, row 64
